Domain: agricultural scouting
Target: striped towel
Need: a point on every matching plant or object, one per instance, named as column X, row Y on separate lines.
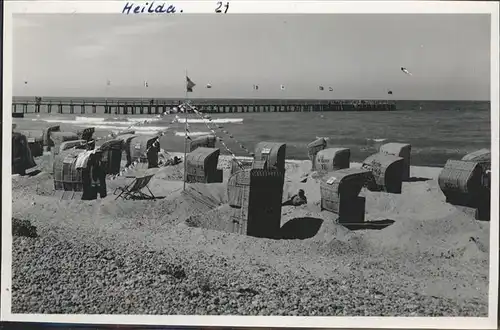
column 83, row 158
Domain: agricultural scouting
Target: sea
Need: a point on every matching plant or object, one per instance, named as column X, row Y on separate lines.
column 436, row 130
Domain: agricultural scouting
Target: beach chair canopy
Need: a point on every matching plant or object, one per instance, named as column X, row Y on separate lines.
column 205, row 159
column 79, row 171
column 112, row 155
column 482, row 155
column 206, row 141
column 333, row 159
column 387, row 172
column 145, row 148
column 402, row 150
column 86, row 133
column 273, row 153
column 315, row 146
column 60, row 137
column 256, row 196
column 35, row 141
column 112, row 145
column 201, row 166
column 78, row 144
column 346, row 182
column 459, row 176
column 126, row 137
column 47, row 141
column 397, row 149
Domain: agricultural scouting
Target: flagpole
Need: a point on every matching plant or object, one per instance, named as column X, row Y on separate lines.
column 185, row 129
column 106, row 92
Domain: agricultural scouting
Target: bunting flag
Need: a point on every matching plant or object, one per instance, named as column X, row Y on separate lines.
column 330, row 89
column 146, row 84
column 321, row 88
column 189, row 85
column 389, row 92
column 209, row 86
column 282, row 87
column 25, row 82
column 108, row 82
column 405, row 70
column 256, row 87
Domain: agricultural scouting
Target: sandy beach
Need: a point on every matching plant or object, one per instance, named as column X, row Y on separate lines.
column 167, row 256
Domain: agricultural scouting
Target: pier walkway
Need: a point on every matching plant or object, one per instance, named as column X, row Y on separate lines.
column 158, row 107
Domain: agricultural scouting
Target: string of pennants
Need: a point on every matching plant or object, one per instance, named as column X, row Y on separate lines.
column 161, row 133
column 221, row 140
column 223, row 130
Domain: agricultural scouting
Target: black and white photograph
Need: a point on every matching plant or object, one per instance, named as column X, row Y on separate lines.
column 229, row 163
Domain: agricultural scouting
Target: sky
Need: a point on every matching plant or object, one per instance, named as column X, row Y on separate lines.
column 358, row 55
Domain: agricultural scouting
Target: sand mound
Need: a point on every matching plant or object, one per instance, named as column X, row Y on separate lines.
column 175, row 253
column 171, row 173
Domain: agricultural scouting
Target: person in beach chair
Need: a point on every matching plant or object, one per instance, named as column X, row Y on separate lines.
column 297, row 200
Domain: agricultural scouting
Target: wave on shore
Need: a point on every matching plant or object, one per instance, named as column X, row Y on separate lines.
column 206, row 121
column 130, row 121
column 177, row 133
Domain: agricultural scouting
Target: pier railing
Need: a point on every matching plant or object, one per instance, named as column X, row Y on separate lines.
column 158, row 107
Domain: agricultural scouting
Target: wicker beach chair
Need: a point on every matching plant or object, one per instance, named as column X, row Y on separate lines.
column 134, row 189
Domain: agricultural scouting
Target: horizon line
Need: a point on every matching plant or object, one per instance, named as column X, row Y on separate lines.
column 251, row 98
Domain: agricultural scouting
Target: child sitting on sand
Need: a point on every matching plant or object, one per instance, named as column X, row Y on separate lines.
column 297, row 200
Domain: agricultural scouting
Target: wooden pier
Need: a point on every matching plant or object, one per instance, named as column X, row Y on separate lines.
column 159, row 107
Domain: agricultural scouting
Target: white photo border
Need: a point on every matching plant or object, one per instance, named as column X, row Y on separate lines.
column 254, row 7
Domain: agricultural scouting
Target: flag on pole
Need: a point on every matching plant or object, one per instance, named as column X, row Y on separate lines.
column 189, row 84
column 321, row 88
column 282, row 87
column 209, row 86
column 108, row 82
column 146, row 83
column 25, row 82
column 330, row 89
column 389, row 92
column 255, row 87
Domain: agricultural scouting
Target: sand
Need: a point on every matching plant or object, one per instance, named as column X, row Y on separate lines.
column 167, row 256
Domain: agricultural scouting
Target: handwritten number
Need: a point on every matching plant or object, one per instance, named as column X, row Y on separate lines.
column 219, row 6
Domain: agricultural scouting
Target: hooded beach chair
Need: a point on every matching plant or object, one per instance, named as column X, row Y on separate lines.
column 134, row 189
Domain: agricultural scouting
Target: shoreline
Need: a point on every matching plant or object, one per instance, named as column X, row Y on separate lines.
column 361, row 147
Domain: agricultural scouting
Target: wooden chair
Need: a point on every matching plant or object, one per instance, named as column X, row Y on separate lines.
column 134, row 189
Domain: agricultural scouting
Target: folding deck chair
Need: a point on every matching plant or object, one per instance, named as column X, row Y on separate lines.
column 134, row 189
